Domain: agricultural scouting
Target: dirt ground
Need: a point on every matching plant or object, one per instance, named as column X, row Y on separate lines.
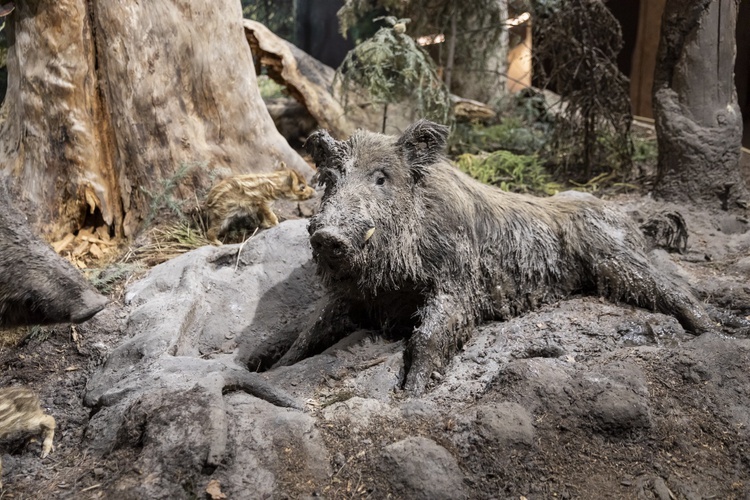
column 690, row 448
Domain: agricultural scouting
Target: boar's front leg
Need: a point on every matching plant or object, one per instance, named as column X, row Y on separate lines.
column 267, row 218
column 47, row 425
column 332, row 323
column 446, row 325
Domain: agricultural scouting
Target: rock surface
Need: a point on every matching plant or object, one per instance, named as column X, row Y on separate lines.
column 420, row 468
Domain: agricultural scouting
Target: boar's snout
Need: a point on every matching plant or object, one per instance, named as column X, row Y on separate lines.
column 91, row 303
column 330, row 244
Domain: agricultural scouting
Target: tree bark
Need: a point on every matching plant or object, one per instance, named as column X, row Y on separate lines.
column 108, row 100
column 306, row 79
column 698, row 120
column 480, row 69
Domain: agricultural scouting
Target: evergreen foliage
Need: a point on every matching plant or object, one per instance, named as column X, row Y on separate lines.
column 476, row 38
column 391, row 67
column 276, row 15
column 510, row 134
column 576, row 43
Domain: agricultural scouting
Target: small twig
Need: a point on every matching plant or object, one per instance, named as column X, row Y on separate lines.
column 76, row 338
column 385, row 116
column 239, row 252
column 371, row 363
column 349, row 460
column 91, row 488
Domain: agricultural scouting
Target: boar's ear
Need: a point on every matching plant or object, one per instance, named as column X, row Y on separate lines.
column 423, row 144
column 322, row 147
column 327, row 153
column 291, row 179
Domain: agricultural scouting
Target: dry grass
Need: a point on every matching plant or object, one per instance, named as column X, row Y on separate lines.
column 167, row 242
column 10, row 337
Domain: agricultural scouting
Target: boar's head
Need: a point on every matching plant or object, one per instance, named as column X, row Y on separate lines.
column 37, row 286
column 367, row 231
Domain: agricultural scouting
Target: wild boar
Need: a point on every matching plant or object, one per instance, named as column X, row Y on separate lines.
column 405, row 241
column 37, row 286
column 21, row 413
column 252, row 196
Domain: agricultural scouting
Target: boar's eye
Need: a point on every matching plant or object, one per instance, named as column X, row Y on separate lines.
column 380, row 179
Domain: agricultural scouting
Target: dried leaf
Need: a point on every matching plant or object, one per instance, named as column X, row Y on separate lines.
column 103, row 233
column 60, row 245
column 81, row 248
column 96, row 251
column 213, row 490
column 91, row 200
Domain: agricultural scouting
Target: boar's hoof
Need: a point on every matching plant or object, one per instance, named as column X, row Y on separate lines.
column 91, row 303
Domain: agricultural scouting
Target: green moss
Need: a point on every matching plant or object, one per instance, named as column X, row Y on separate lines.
column 510, row 134
column 645, row 150
column 509, row 172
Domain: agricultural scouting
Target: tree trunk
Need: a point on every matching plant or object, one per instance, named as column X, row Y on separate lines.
column 480, row 57
column 451, row 58
column 501, row 85
column 108, row 101
column 698, row 120
column 644, row 57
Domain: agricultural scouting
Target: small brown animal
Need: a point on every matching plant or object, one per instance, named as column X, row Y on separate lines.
column 252, row 196
column 20, row 412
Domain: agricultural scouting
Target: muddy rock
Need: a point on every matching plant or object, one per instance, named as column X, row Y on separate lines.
column 742, row 266
column 420, row 468
column 195, row 325
column 358, row 412
column 420, row 409
column 271, row 449
column 618, row 399
column 505, row 424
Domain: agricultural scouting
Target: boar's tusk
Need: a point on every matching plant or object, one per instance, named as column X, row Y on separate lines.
column 369, row 232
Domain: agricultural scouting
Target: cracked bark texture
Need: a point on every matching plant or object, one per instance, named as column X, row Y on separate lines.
column 698, row 120
column 107, row 100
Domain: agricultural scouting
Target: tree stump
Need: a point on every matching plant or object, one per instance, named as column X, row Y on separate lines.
column 698, row 120
column 107, row 101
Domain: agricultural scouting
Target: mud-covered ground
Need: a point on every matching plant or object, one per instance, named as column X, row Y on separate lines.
column 579, row 399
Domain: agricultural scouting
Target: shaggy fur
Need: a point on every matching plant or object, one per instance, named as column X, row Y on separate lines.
column 21, row 413
column 448, row 252
column 252, row 196
column 37, row 286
